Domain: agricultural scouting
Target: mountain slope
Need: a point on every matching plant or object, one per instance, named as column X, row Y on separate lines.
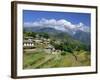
column 62, row 37
column 83, row 37
column 78, row 35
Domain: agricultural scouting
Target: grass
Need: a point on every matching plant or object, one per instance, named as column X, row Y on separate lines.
column 41, row 59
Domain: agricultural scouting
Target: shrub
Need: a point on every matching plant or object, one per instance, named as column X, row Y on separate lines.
column 63, row 53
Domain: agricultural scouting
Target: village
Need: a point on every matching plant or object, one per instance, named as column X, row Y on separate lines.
column 30, row 44
column 40, row 50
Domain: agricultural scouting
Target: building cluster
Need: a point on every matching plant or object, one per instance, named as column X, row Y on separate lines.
column 32, row 43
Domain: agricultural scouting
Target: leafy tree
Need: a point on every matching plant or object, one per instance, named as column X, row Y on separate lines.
column 45, row 35
column 31, row 34
column 63, row 53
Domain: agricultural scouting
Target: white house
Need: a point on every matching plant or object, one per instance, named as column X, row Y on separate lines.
column 28, row 43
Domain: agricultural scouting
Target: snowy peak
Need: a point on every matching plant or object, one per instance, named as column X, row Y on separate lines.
column 61, row 24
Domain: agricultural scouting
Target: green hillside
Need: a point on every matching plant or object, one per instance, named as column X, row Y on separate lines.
column 40, row 59
column 65, row 52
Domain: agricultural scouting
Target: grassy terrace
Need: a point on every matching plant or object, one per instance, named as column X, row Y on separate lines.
column 40, row 59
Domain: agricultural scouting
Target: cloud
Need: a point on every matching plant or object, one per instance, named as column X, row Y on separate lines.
column 61, row 24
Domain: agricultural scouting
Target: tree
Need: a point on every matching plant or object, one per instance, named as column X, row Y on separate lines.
column 63, row 53
column 45, row 35
column 33, row 34
column 30, row 34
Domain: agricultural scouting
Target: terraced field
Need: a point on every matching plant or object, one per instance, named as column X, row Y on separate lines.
column 40, row 59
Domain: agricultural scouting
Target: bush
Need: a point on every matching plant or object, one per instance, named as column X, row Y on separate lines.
column 63, row 53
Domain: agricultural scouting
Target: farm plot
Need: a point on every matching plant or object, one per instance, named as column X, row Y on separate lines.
column 40, row 59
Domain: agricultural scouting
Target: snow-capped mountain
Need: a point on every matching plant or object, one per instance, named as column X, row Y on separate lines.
column 61, row 24
column 78, row 31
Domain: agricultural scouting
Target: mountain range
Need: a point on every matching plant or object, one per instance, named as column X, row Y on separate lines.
column 78, row 35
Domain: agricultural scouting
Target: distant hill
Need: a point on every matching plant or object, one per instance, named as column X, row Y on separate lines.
column 84, row 37
column 78, row 35
column 80, row 39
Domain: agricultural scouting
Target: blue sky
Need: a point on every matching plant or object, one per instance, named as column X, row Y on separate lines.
column 74, row 18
